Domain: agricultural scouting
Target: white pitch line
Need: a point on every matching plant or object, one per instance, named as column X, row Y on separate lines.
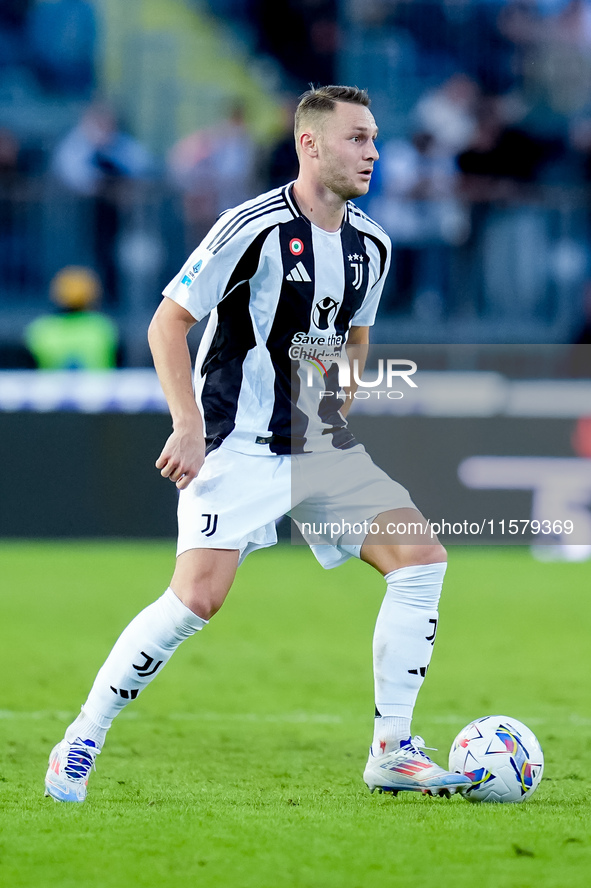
column 285, row 717
column 299, row 717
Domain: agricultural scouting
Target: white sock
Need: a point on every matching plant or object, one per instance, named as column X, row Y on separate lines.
column 139, row 654
column 390, row 731
column 402, row 647
column 87, row 729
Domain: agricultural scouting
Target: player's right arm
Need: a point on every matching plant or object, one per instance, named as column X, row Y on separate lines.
column 183, row 454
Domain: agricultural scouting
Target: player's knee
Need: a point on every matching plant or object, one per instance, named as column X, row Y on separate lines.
column 433, row 553
column 202, row 579
column 203, row 602
column 201, row 595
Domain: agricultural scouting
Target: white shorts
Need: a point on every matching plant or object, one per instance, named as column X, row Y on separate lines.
column 237, row 498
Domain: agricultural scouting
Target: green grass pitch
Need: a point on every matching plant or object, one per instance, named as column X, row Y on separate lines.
column 240, row 766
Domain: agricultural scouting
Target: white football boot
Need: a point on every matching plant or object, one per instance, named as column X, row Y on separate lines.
column 409, row 768
column 69, row 766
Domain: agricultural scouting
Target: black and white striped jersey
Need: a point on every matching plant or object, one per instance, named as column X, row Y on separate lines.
column 280, row 293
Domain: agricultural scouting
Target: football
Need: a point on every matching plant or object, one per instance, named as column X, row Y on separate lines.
column 501, row 756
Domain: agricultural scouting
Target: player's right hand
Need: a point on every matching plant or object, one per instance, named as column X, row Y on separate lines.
column 181, row 458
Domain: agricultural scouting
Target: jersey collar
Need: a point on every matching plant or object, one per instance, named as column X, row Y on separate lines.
column 293, row 205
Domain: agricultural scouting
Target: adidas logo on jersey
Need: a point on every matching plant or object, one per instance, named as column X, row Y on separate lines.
column 298, row 273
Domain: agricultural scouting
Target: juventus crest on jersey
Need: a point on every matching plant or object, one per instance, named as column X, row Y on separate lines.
column 279, row 290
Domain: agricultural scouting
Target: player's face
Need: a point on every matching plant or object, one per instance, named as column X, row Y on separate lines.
column 347, row 151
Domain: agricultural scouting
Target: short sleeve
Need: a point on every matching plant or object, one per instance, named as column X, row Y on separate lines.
column 212, row 269
column 201, row 283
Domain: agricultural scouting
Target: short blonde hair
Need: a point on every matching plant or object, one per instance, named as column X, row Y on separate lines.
column 321, row 100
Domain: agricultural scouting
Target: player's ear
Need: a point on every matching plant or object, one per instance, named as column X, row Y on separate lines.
column 309, row 143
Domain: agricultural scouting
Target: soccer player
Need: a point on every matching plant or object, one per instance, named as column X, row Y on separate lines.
column 300, row 262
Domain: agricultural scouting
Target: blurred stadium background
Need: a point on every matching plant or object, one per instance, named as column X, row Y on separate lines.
column 126, row 127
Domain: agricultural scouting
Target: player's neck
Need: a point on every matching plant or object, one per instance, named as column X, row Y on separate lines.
column 320, row 205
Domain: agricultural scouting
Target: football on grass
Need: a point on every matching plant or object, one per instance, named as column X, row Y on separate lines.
column 501, row 756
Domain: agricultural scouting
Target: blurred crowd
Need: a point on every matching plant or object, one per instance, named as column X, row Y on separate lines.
column 473, row 180
column 55, row 40
column 495, row 145
column 492, row 155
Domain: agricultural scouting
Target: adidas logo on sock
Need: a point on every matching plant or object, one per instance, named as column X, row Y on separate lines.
column 298, row 273
column 127, row 695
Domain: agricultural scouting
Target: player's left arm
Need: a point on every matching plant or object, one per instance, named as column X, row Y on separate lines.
column 357, row 348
